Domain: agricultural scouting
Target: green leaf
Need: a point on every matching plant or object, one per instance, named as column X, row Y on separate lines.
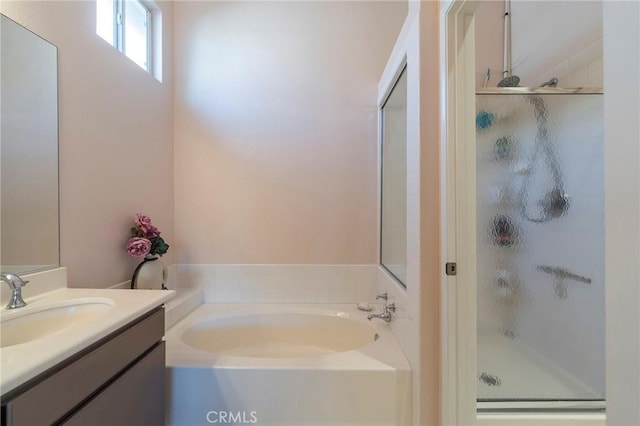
column 158, row 246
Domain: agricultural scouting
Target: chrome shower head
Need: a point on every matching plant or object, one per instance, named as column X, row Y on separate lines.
column 509, row 81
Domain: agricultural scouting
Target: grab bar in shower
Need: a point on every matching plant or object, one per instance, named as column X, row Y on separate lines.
column 563, row 273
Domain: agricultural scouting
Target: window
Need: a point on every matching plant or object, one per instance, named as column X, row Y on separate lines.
column 126, row 25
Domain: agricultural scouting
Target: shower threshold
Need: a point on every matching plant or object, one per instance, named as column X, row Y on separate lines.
column 540, row 406
column 541, row 413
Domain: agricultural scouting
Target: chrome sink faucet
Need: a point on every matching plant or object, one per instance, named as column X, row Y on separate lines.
column 16, row 284
column 387, row 309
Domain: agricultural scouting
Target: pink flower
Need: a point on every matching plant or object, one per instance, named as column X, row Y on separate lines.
column 152, row 232
column 143, row 223
column 138, row 247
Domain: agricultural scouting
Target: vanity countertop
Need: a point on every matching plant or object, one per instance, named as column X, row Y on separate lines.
column 24, row 361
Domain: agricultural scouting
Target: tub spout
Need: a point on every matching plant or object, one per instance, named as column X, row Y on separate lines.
column 385, row 315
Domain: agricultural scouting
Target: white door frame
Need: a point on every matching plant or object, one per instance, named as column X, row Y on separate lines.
column 457, row 47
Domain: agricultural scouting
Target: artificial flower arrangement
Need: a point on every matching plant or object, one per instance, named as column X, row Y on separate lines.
column 145, row 239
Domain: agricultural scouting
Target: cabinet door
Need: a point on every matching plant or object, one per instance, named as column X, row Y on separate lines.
column 135, row 398
column 58, row 391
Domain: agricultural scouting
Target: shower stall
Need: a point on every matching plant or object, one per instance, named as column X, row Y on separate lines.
column 540, row 249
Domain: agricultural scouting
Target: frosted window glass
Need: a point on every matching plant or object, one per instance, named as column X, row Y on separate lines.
column 125, row 24
column 104, row 20
column 136, row 33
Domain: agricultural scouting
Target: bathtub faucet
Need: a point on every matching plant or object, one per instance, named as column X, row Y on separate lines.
column 387, row 309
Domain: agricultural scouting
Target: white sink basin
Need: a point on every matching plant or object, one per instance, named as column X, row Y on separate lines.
column 26, row 324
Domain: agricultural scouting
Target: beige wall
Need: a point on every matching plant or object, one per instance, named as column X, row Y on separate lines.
column 275, row 129
column 116, row 127
column 489, row 19
column 430, row 261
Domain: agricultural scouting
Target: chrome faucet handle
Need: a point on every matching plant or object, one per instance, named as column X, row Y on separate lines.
column 16, row 283
column 385, row 315
column 13, row 280
column 382, row 296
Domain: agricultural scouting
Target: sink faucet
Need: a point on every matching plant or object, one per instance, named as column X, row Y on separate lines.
column 16, row 284
column 387, row 309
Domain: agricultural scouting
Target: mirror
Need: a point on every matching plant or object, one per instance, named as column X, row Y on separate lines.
column 29, row 239
column 393, row 209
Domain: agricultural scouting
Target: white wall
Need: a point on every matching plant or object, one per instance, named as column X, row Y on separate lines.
column 275, row 130
column 549, row 34
column 115, row 140
column 561, row 39
column 622, row 212
column 281, row 283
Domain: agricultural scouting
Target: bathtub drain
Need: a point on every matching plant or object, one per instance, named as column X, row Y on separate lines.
column 490, row 379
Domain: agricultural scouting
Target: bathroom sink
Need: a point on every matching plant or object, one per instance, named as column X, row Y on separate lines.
column 31, row 323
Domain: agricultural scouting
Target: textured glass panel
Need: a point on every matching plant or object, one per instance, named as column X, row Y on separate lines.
column 540, row 221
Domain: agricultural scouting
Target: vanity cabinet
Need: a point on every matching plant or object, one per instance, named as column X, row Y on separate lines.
column 119, row 380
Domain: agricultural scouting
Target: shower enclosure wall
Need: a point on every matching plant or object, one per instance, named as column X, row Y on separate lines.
column 540, row 253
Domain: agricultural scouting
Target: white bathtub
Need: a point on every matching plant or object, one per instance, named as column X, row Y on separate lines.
column 282, row 365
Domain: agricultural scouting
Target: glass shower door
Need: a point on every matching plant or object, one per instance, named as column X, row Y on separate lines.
column 540, row 253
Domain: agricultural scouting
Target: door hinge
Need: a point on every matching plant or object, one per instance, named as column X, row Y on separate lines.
column 451, row 268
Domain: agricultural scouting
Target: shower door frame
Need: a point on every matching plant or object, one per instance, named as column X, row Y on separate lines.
column 459, row 351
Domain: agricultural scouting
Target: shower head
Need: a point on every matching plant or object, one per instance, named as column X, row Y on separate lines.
column 551, row 83
column 509, row 81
